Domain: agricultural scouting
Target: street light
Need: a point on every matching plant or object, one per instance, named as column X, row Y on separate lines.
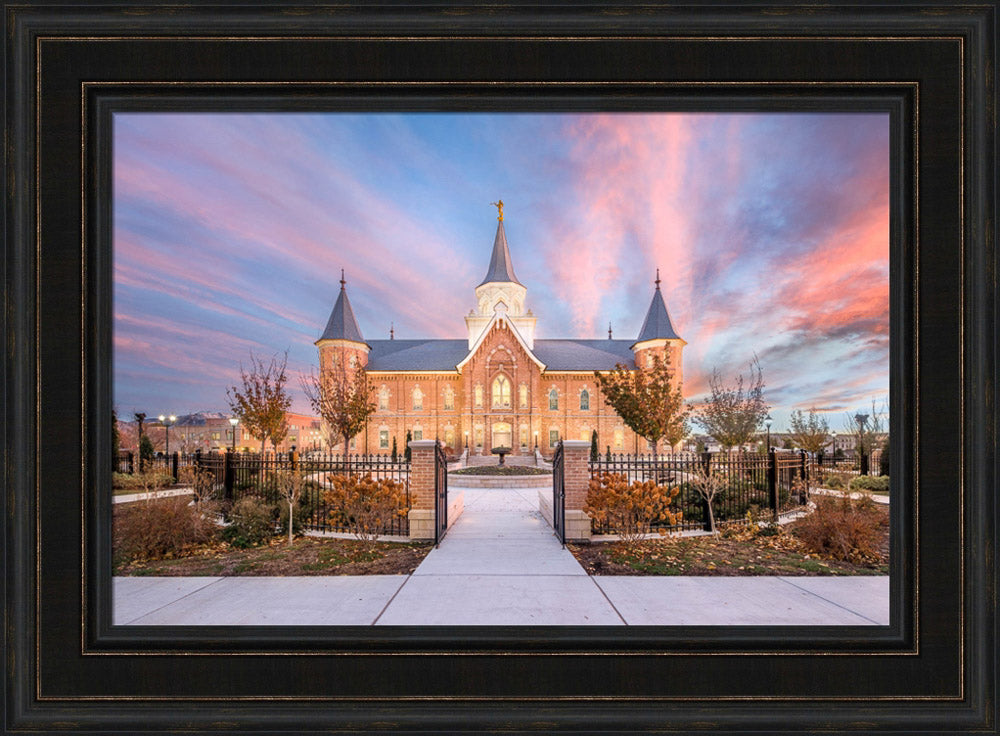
column 767, row 423
column 166, row 422
column 234, row 421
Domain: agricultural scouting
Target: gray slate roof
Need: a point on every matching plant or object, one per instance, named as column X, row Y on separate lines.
column 501, row 268
column 444, row 355
column 342, row 325
column 657, row 323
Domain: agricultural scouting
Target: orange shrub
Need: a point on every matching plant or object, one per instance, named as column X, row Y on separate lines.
column 630, row 510
column 843, row 529
column 364, row 505
column 158, row 529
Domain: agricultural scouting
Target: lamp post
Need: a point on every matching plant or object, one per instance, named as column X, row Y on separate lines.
column 167, row 422
column 767, row 423
column 233, row 421
column 862, row 420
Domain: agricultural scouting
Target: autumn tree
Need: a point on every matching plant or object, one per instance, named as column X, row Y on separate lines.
column 342, row 398
column 733, row 413
column 290, row 484
column 648, row 400
column 263, row 400
column 812, row 432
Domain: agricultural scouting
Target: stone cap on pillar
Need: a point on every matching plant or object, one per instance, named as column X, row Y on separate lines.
column 576, row 444
column 413, row 444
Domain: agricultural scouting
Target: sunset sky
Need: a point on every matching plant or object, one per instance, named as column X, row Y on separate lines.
column 770, row 232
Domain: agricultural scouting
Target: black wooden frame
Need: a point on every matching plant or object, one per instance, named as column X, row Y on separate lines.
column 70, row 67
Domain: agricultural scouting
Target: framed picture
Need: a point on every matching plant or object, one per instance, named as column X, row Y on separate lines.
column 78, row 75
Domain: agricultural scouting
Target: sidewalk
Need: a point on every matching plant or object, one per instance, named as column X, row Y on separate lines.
column 501, row 565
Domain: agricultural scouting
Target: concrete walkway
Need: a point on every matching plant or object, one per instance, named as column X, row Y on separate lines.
column 501, row 565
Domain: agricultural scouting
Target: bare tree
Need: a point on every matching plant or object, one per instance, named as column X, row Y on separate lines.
column 290, row 486
column 812, row 432
column 708, row 485
column 262, row 401
column 342, row 398
column 648, row 400
column 868, row 430
column 733, row 414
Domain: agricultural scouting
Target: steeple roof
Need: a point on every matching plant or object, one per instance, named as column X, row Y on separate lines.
column 501, row 268
column 342, row 325
column 657, row 325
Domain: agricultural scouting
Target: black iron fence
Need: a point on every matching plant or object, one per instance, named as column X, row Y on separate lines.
column 757, row 483
column 242, row 474
column 559, row 494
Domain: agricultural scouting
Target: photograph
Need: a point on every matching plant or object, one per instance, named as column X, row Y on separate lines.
column 500, row 368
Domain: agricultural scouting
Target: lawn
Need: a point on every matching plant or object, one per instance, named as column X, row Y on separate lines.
column 736, row 551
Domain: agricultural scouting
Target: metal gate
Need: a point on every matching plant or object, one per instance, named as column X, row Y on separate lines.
column 440, row 494
column 559, row 494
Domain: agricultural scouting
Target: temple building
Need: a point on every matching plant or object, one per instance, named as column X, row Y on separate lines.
column 499, row 386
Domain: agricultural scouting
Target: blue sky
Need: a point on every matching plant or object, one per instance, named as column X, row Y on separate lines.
column 770, row 232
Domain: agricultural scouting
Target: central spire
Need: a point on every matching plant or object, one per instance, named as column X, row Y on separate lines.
column 501, row 268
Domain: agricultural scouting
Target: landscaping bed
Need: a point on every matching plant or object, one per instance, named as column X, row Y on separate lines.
column 501, row 470
column 738, row 550
column 164, row 537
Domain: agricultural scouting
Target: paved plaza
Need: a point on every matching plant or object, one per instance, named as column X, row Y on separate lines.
column 500, row 564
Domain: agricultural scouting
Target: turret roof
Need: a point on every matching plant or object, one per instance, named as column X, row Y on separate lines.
column 657, row 324
column 342, row 325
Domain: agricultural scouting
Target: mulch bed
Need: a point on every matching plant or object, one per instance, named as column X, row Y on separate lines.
column 734, row 552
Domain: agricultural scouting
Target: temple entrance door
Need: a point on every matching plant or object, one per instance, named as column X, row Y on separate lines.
column 501, row 435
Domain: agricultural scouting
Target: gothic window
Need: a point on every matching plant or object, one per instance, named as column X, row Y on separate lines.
column 553, row 437
column 585, row 435
column 585, row 400
column 353, row 362
column 418, row 399
column 553, row 399
column 383, row 399
column 449, row 399
column 383, row 439
column 524, row 396
column 501, row 391
column 478, row 391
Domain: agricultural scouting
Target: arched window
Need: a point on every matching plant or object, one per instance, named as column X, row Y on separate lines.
column 449, row 399
column 418, row 399
column 383, row 399
column 585, row 400
column 478, row 392
column 501, row 391
column 553, row 399
column 524, row 396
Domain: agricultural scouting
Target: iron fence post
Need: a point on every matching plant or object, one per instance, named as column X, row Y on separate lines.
column 131, row 463
column 175, row 465
column 864, row 463
column 228, row 477
column 772, row 481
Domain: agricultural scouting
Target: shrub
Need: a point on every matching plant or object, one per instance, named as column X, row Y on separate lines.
column 836, row 481
column 364, row 505
column 201, row 482
column 870, row 483
column 251, row 523
column 146, row 452
column 630, row 509
column 844, row 529
column 153, row 480
column 158, row 529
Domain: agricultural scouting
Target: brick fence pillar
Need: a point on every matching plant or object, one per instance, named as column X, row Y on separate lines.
column 422, row 489
column 576, row 476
